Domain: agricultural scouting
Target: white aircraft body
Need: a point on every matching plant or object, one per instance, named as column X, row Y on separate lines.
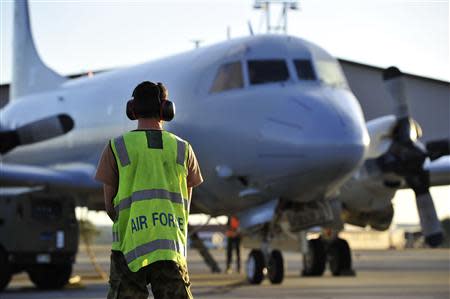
column 280, row 137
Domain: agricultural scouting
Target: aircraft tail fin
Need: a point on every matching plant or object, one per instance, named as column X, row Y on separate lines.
column 29, row 73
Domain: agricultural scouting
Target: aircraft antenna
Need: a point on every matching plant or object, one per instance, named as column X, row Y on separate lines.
column 268, row 5
column 250, row 28
column 197, row 43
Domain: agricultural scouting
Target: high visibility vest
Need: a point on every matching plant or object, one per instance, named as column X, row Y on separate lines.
column 233, row 227
column 152, row 203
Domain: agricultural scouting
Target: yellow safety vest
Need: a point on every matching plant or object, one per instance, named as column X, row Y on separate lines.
column 152, row 203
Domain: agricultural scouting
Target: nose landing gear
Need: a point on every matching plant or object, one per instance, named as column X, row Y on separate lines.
column 320, row 252
column 276, row 267
column 255, row 266
column 259, row 265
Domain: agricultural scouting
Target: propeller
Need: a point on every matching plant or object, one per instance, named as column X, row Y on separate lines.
column 40, row 130
column 406, row 157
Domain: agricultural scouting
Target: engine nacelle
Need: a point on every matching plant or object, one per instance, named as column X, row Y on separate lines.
column 378, row 220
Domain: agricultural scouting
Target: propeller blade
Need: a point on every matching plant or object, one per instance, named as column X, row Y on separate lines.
column 395, row 84
column 40, row 130
column 406, row 158
column 431, row 226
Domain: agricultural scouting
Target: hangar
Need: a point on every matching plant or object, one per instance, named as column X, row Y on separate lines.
column 429, row 98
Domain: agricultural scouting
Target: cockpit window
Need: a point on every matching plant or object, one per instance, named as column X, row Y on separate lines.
column 330, row 73
column 228, row 77
column 267, row 71
column 304, row 69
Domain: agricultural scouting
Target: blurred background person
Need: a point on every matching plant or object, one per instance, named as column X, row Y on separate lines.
column 233, row 242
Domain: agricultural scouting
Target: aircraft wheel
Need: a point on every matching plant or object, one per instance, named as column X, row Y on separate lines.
column 276, row 267
column 315, row 260
column 5, row 272
column 255, row 266
column 339, row 257
column 50, row 276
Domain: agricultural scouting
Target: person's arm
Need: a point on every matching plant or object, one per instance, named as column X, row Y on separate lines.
column 108, row 174
column 190, row 193
column 109, row 192
column 194, row 177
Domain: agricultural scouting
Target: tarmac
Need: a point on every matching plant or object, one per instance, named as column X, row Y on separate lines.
column 380, row 274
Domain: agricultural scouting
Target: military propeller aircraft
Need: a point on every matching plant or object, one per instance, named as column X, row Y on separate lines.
column 281, row 139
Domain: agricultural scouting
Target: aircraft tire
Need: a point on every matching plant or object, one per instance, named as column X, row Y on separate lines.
column 339, row 257
column 50, row 276
column 276, row 267
column 5, row 272
column 255, row 266
column 314, row 261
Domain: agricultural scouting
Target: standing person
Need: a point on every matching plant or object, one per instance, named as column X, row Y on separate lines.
column 148, row 175
column 233, row 241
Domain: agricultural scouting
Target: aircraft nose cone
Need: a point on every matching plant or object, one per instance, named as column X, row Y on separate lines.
column 315, row 137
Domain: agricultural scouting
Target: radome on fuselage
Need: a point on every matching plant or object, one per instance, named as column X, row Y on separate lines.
column 295, row 138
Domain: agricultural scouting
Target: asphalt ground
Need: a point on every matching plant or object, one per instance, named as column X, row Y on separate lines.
column 412, row 274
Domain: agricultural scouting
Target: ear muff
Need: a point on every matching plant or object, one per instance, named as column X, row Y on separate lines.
column 167, row 108
column 131, row 114
column 167, row 111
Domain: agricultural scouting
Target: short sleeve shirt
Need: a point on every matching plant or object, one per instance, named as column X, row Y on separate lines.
column 108, row 173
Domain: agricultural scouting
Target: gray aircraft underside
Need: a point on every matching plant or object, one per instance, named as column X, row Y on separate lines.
column 264, row 144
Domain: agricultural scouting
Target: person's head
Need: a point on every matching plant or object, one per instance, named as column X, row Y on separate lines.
column 150, row 100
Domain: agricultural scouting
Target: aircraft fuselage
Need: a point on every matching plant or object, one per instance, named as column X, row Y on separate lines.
column 296, row 139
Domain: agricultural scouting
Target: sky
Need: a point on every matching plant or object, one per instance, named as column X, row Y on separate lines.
column 75, row 36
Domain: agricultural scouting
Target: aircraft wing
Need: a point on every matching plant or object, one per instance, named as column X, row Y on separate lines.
column 79, row 177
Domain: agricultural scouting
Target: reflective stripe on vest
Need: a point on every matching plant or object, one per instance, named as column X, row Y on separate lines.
column 150, row 195
column 115, row 236
column 151, row 203
column 122, row 151
column 181, row 150
column 153, row 246
column 125, row 160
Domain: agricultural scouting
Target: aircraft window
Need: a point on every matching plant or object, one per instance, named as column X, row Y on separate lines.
column 228, row 77
column 330, row 73
column 304, row 69
column 267, row 71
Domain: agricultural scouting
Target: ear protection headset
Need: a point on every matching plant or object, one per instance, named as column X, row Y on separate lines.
column 166, row 107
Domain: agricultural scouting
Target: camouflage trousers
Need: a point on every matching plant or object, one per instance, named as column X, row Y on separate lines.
column 168, row 280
